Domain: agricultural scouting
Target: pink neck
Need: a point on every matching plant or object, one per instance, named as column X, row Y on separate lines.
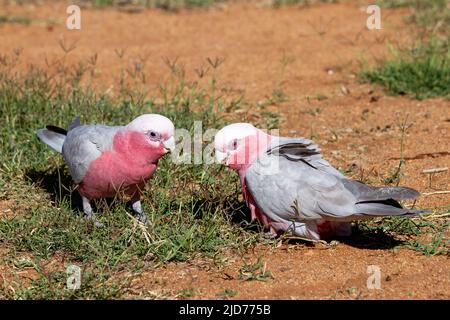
column 135, row 147
column 254, row 147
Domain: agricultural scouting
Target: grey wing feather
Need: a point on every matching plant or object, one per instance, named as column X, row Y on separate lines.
column 53, row 139
column 367, row 193
column 301, row 150
column 298, row 192
column 84, row 144
column 293, row 182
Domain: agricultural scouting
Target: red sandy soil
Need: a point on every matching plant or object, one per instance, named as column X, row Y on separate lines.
column 358, row 124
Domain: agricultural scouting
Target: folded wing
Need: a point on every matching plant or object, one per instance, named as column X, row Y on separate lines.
column 305, row 187
column 84, row 144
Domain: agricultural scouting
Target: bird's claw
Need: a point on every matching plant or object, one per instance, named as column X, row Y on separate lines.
column 269, row 235
column 143, row 218
column 91, row 218
column 331, row 244
column 98, row 224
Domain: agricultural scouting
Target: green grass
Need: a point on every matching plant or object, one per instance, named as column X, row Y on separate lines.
column 163, row 4
column 279, row 3
column 15, row 19
column 427, row 236
column 433, row 15
column 195, row 209
column 418, row 4
column 227, row 293
column 189, row 4
column 422, row 70
column 255, row 271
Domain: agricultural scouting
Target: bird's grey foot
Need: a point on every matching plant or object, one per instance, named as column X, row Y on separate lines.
column 328, row 245
column 143, row 218
column 89, row 214
column 269, row 235
column 139, row 214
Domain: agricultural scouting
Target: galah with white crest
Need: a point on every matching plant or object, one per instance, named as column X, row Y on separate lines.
column 104, row 161
column 289, row 187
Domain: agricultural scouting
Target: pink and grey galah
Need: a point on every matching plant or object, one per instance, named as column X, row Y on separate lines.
column 290, row 187
column 104, row 161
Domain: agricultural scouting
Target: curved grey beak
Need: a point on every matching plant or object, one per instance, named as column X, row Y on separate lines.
column 169, row 144
column 221, row 157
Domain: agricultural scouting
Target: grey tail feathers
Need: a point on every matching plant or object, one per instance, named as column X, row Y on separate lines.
column 384, row 208
column 381, row 201
column 54, row 136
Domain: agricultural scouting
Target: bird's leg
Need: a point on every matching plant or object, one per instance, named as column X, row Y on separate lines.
column 137, row 208
column 270, row 234
column 89, row 214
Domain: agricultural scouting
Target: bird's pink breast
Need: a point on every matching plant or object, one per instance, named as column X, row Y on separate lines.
column 109, row 173
column 123, row 169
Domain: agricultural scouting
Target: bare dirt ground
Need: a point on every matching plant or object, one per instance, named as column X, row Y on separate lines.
column 355, row 124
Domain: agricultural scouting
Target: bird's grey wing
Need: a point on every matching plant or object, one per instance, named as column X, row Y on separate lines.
column 301, row 150
column 292, row 181
column 84, row 144
column 297, row 191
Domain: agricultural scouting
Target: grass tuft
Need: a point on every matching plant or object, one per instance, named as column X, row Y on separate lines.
column 422, row 71
column 195, row 209
column 162, row 4
column 15, row 19
column 432, row 15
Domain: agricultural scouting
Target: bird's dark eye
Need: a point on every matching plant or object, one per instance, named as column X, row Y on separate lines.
column 153, row 135
column 234, row 144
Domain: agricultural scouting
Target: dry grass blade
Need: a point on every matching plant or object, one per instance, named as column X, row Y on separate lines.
column 141, row 226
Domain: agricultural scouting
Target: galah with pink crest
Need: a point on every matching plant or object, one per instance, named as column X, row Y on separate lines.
column 289, row 187
column 104, row 161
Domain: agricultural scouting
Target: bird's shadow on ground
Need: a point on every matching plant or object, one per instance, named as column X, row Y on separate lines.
column 370, row 239
column 360, row 238
column 236, row 210
column 59, row 185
